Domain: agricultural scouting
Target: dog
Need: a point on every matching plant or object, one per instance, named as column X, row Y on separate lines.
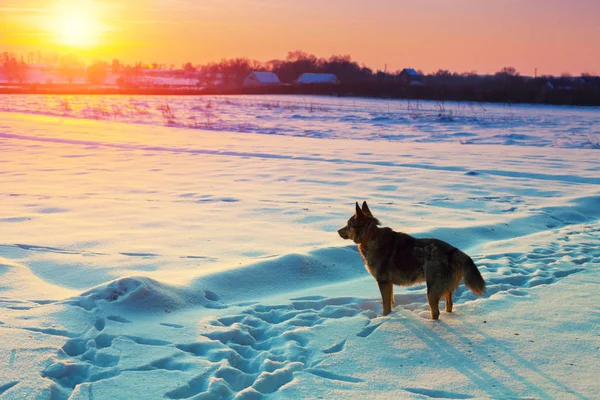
column 395, row 258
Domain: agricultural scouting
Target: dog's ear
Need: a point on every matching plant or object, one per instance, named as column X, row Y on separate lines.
column 365, row 209
column 358, row 213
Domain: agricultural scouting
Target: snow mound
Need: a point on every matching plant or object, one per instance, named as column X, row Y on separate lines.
column 142, row 293
column 291, row 272
column 281, row 275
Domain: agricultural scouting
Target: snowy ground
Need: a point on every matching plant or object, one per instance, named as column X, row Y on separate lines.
column 335, row 118
column 144, row 261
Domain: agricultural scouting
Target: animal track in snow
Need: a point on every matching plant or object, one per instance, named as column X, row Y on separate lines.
column 437, row 394
column 7, row 386
column 117, row 318
column 546, row 263
column 172, row 325
column 253, row 353
column 258, row 350
column 367, row 330
column 336, row 348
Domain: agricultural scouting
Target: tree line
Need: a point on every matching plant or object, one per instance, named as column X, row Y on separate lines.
column 507, row 85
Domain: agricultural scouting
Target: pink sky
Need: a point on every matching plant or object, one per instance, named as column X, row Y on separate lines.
column 554, row 36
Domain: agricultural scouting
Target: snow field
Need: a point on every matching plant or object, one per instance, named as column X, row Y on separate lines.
column 142, row 261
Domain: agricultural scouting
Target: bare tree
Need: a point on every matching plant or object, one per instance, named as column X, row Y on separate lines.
column 508, row 71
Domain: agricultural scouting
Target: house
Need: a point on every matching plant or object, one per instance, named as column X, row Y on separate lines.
column 309, row 78
column 409, row 76
column 260, row 79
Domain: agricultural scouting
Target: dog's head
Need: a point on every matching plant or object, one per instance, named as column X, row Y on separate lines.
column 358, row 224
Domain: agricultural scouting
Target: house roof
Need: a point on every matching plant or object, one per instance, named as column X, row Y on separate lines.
column 317, row 78
column 266, row 77
column 410, row 71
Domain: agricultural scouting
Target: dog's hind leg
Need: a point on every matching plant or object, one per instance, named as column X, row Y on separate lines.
column 387, row 296
column 448, row 297
column 433, row 297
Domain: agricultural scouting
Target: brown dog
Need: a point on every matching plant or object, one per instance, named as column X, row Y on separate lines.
column 395, row 258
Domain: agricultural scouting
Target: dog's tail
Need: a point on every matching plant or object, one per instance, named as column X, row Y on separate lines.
column 471, row 274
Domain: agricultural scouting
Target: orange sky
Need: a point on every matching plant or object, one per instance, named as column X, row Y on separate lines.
column 555, row 36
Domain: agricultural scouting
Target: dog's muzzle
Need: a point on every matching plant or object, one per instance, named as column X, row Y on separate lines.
column 343, row 233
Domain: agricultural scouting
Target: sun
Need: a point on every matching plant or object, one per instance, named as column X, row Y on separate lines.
column 75, row 24
column 75, row 29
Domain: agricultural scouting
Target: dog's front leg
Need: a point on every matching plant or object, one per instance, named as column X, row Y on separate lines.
column 387, row 296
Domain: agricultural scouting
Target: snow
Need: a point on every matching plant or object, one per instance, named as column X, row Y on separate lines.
column 167, row 80
column 317, row 78
column 147, row 261
column 264, row 77
column 336, row 118
column 41, row 75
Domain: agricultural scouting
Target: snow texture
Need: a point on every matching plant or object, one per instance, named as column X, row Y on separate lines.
column 173, row 262
column 262, row 77
column 404, row 121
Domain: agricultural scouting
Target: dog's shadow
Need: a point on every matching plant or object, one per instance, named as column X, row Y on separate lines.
column 477, row 358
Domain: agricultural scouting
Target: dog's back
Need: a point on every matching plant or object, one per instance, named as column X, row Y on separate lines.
column 405, row 260
column 401, row 258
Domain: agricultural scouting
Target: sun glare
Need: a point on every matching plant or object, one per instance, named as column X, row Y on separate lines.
column 75, row 24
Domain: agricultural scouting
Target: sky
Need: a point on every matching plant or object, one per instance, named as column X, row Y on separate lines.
column 554, row 36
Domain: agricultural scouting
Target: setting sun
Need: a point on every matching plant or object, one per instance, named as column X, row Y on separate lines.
column 75, row 24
